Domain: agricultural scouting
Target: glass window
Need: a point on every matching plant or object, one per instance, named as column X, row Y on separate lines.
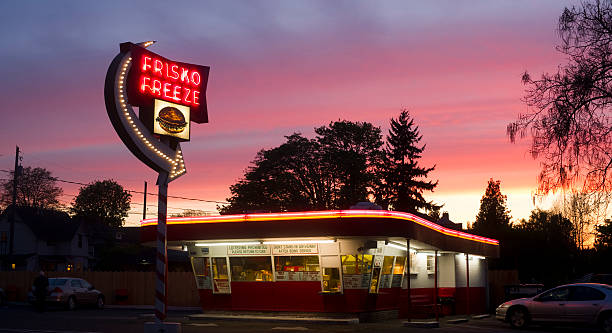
column 297, row 268
column 331, row 279
column 374, row 280
column 220, row 282
column 297, row 264
column 359, row 264
column 387, row 267
column 76, row 284
column 555, row 295
column 57, row 282
column 398, row 268
column 85, row 284
column 200, row 266
column 219, row 266
column 581, row 293
column 251, row 268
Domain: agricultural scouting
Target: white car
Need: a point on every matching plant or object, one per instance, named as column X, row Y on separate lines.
column 578, row 303
column 70, row 292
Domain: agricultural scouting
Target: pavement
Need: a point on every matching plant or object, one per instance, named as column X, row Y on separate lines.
column 21, row 318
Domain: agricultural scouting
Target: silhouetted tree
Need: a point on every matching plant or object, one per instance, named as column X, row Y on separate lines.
column 603, row 235
column 35, row 188
column 543, row 248
column 571, row 110
column 350, row 151
column 190, row 212
column 104, row 202
column 404, row 180
column 332, row 171
column 493, row 217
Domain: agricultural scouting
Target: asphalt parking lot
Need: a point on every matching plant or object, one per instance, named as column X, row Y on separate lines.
column 23, row 318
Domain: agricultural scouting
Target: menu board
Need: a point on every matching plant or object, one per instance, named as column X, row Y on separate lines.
column 356, row 281
column 295, row 249
column 257, row 249
column 298, row 276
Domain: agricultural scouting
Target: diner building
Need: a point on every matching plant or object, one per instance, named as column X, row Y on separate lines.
column 343, row 261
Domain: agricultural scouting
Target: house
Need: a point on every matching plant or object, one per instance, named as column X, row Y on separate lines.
column 44, row 239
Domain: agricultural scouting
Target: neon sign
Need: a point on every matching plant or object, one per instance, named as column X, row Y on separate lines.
column 155, row 77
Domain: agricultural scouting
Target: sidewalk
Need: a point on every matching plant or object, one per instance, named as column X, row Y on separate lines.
column 276, row 317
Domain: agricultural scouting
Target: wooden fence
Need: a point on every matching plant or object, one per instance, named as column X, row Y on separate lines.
column 498, row 279
column 140, row 286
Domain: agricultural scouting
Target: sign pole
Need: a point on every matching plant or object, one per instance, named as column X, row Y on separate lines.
column 161, row 290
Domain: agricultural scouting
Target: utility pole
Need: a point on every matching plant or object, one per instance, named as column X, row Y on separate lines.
column 16, row 173
column 144, row 209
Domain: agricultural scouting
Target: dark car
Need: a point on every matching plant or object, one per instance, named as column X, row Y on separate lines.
column 578, row 303
column 71, row 292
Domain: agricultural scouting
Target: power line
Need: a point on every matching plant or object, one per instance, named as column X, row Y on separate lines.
column 133, row 191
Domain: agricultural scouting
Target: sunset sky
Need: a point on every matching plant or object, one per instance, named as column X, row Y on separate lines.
column 279, row 67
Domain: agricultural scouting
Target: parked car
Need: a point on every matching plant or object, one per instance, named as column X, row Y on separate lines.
column 71, row 292
column 2, row 297
column 578, row 303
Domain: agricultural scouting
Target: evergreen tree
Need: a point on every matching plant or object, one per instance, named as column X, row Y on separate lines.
column 493, row 219
column 404, row 179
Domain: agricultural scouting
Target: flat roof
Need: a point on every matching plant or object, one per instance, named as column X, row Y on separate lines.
column 333, row 223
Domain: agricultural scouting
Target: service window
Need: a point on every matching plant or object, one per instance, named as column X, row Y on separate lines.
column 201, row 271
column 251, row 269
column 387, row 271
column 221, row 283
column 357, row 264
column 331, row 280
column 357, row 271
column 398, row 272
column 297, row 268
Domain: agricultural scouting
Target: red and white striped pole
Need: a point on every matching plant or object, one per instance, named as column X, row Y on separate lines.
column 161, row 267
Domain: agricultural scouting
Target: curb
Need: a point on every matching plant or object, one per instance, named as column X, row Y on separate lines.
column 482, row 316
column 421, row 324
column 457, row 321
column 150, row 307
column 276, row 319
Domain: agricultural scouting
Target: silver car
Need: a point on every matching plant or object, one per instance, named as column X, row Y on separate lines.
column 71, row 292
column 578, row 303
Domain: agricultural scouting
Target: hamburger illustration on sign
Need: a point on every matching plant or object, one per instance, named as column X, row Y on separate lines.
column 171, row 119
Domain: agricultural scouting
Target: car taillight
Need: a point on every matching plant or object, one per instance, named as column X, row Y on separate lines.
column 57, row 290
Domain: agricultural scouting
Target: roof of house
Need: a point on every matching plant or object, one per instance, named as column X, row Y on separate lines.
column 47, row 224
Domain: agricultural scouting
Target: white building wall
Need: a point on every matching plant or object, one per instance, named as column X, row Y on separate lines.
column 477, row 271
column 446, row 271
column 419, row 277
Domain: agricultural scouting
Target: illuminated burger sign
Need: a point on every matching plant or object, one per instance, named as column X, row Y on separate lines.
column 169, row 95
column 155, row 77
